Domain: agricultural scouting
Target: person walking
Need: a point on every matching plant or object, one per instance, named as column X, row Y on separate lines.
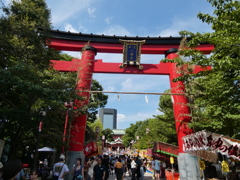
column 133, row 168
column 60, row 170
column 153, row 167
column 112, row 162
column 142, row 170
column 99, row 170
column 157, row 168
column 106, row 163
column 78, row 170
column 118, row 169
column 91, row 163
column 139, row 164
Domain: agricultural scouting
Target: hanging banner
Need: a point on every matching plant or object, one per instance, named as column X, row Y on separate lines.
column 90, row 149
column 209, row 141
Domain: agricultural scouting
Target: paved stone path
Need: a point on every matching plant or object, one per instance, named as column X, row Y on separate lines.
column 147, row 176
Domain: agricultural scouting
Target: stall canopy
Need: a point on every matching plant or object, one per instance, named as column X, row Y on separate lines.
column 165, row 148
column 46, row 149
column 206, row 145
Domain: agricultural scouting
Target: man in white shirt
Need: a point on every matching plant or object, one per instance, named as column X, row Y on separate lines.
column 60, row 170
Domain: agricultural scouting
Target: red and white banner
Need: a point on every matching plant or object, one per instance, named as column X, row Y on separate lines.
column 90, row 149
column 209, row 141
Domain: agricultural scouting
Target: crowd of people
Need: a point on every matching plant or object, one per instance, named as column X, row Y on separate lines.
column 101, row 167
column 94, row 168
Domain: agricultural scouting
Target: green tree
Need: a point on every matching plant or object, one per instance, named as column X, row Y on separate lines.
column 214, row 95
column 130, row 133
column 28, row 83
column 93, row 126
column 166, row 106
column 160, row 129
column 97, row 100
column 108, row 133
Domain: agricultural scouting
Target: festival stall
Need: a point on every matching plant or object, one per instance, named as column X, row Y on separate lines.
column 213, row 148
column 164, row 148
column 149, row 153
column 165, row 152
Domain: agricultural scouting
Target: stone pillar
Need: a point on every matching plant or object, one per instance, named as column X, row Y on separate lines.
column 85, row 71
column 188, row 167
column 188, row 164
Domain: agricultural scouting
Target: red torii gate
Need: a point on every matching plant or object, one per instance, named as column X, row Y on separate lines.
column 110, row 44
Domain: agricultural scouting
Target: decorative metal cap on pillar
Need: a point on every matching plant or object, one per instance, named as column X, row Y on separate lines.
column 172, row 50
column 88, row 47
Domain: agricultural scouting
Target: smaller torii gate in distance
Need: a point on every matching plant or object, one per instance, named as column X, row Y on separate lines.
column 87, row 65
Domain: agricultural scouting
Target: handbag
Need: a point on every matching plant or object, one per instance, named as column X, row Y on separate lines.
column 79, row 177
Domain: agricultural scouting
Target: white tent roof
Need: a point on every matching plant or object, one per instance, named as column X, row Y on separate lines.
column 46, row 149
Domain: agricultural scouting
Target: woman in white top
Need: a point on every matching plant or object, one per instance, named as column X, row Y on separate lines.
column 133, row 168
column 91, row 164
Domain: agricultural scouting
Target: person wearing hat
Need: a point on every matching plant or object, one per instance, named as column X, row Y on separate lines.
column 60, row 170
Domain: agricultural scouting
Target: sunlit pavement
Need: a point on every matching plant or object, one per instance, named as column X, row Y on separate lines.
column 147, row 176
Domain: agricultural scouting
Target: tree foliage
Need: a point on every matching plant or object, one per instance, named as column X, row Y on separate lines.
column 28, row 82
column 108, row 133
column 214, row 95
column 130, row 133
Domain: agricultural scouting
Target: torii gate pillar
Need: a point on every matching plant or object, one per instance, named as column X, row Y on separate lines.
column 84, row 81
column 187, row 164
column 180, row 107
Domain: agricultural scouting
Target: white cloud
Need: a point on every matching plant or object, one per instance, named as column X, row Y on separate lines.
column 191, row 24
column 108, row 19
column 91, row 12
column 69, row 27
column 109, row 88
column 134, row 117
column 121, row 118
column 8, row 2
column 116, row 30
column 144, row 83
column 158, row 112
column 65, row 9
column 127, row 84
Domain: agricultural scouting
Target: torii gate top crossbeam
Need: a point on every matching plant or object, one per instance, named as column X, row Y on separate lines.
column 67, row 41
column 113, row 68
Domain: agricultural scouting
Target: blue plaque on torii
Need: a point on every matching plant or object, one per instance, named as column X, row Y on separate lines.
column 131, row 53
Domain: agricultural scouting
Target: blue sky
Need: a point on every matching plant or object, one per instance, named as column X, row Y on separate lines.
column 131, row 18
